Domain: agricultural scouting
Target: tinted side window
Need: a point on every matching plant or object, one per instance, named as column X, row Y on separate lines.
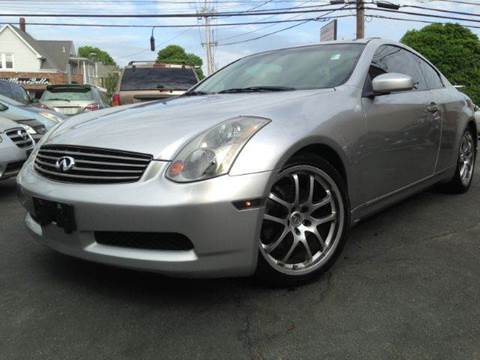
column 431, row 76
column 395, row 59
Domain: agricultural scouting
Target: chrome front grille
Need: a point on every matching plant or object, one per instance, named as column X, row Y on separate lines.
column 20, row 137
column 81, row 164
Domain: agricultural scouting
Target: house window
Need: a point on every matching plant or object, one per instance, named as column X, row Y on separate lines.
column 6, row 61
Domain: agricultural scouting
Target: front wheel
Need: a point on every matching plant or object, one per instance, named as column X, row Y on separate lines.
column 305, row 222
column 462, row 179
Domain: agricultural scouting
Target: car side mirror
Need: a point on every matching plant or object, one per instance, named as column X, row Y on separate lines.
column 3, row 107
column 391, row 82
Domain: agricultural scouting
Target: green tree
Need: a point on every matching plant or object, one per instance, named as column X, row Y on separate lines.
column 102, row 56
column 454, row 50
column 175, row 54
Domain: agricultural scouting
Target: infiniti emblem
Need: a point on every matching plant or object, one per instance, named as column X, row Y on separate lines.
column 65, row 163
column 23, row 134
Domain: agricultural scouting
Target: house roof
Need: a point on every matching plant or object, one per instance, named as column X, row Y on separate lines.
column 55, row 53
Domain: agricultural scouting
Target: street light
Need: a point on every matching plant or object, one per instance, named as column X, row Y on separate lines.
column 387, row 5
column 152, row 40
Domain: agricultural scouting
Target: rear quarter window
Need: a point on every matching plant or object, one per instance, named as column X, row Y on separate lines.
column 431, row 76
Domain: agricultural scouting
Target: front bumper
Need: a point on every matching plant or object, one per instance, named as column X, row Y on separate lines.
column 224, row 238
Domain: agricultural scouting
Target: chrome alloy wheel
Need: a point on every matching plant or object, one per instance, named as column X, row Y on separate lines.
column 303, row 220
column 466, row 159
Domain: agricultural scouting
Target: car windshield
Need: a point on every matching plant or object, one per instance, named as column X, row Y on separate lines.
column 304, row 68
column 67, row 95
column 153, row 78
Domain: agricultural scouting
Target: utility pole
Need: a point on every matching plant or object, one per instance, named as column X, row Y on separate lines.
column 360, row 4
column 209, row 43
column 360, row 19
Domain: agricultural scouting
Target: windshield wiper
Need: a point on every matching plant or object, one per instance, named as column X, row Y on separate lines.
column 256, row 89
column 58, row 99
column 195, row 93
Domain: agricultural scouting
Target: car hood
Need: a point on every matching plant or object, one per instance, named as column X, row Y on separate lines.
column 161, row 128
column 27, row 112
column 6, row 124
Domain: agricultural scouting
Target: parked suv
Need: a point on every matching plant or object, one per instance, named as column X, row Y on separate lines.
column 73, row 99
column 15, row 146
column 144, row 81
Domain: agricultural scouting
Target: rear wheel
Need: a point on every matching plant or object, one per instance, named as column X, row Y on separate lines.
column 305, row 222
column 462, row 179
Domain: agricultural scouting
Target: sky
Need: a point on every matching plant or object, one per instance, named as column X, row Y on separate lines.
column 133, row 43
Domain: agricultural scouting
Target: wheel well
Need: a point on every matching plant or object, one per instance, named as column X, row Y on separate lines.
column 328, row 154
column 473, row 127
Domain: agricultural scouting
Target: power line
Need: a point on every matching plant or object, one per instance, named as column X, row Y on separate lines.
column 440, row 10
column 173, row 2
column 177, row 15
column 262, row 28
column 160, row 26
column 423, row 15
column 413, row 20
column 459, row 2
column 284, row 29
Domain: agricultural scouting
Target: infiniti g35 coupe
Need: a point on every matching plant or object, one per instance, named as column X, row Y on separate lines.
column 259, row 169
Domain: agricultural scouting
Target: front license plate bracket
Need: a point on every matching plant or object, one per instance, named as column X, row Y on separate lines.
column 48, row 212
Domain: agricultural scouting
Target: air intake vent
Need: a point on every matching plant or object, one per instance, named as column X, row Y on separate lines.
column 82, row 164
column 144, row 240
column 20, row 137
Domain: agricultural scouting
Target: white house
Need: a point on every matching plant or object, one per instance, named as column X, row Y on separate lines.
column 37, row 63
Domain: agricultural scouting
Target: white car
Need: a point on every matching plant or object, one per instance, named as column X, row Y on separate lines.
column 73, row 99
column 15, row 146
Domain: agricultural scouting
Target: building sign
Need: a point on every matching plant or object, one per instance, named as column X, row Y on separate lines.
column 28, row 81
column 329, row 31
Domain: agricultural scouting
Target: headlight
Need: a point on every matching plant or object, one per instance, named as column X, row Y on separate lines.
column 213, row 152
column 51, row 116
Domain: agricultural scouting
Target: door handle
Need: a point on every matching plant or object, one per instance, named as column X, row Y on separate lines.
column 433, row 108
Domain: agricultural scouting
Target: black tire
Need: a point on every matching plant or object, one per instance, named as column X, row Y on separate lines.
column 457, row 185
column 270, row 273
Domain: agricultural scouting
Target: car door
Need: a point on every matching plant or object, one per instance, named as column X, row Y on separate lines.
column 403, row 133
column 448, row 108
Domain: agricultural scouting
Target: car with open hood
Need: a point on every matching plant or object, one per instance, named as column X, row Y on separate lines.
column 259, row 169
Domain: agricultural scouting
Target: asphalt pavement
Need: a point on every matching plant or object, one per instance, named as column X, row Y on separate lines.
column 406, row 287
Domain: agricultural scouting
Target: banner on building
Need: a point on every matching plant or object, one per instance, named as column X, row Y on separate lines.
column 28, row 81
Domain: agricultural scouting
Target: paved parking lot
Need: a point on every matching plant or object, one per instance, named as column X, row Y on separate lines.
column 406, row 287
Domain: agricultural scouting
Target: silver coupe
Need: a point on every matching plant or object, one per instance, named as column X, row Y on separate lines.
column 259, row 169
